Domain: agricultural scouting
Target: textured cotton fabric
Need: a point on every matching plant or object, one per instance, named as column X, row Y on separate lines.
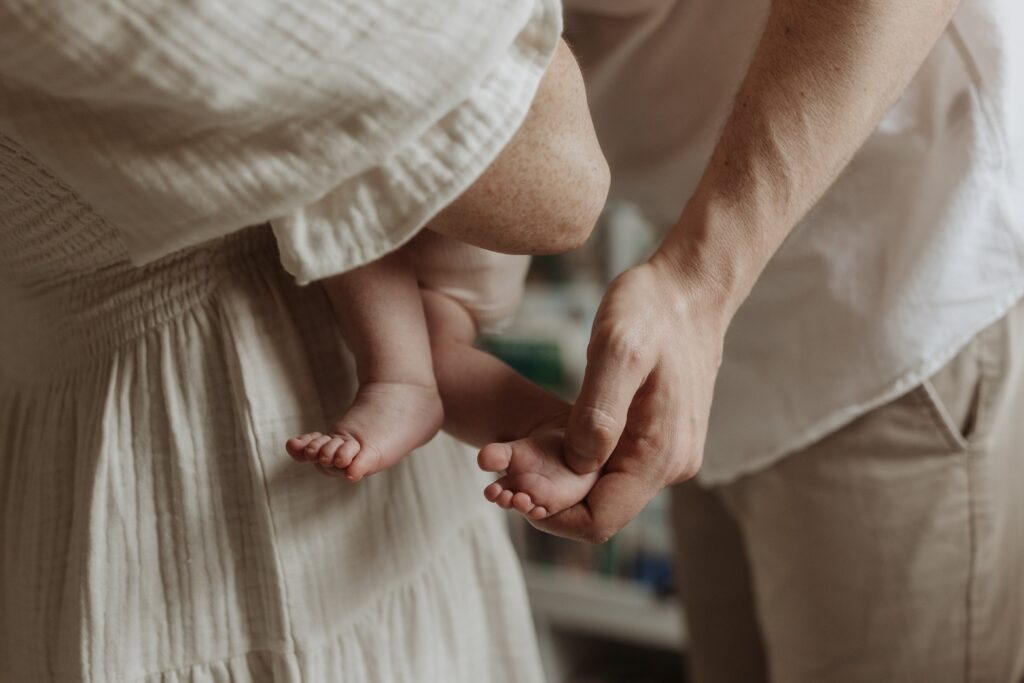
column 917, row 246
column 891, row 550
column 155, row 355
column 352, row 123
column 151, row 525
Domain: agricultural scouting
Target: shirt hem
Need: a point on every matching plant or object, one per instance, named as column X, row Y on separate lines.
column 821, row 428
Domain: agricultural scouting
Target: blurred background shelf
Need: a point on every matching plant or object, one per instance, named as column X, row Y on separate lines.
column 604, row 614
column 611, row 608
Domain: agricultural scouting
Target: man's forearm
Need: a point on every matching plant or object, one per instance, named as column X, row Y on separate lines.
column 822, row 77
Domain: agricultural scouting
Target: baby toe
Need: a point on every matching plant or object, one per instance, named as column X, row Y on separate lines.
column 349, row 449
column 538, row 512
column 360, row 467
column 297, row 445
column 492, row 491
column 328, row 451
column 324, row 455
column 504, row 499
column 494, row 457
column 522, row 502
column 329, row 471
column 313, row 447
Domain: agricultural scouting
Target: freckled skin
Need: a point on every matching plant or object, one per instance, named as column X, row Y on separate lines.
column 545, row 190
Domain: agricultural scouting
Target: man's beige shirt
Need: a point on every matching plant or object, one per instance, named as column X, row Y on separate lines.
column 916, row 248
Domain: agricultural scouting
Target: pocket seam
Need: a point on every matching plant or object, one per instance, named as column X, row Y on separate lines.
column 930, row 400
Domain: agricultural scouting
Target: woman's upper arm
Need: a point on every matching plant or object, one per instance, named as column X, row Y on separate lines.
column 350, row 122
column 545, row 190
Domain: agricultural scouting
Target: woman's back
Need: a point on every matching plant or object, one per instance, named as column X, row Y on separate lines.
column 151, row 524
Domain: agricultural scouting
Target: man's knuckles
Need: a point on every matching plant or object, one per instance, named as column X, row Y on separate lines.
column 620, row 343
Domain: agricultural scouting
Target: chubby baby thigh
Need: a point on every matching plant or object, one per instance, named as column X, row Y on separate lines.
column 488, row 284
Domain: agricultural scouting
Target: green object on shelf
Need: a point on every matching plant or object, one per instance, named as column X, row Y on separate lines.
column 538, row 360
column 553, row 268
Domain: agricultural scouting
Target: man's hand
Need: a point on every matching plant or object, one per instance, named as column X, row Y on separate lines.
column 823, row 75
column 651, row 370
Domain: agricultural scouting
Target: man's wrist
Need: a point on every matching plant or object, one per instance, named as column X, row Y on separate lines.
column 714, row 256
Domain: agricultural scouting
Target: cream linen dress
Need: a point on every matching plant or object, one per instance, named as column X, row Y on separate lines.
column 155, row 355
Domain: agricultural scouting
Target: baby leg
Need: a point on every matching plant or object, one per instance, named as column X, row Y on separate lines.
column 397, row 407
column 486, row 401
column 487, row 284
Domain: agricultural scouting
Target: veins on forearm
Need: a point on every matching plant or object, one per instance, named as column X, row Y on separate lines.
column 823, row 75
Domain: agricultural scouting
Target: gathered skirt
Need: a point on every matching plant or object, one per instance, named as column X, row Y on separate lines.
column 153, row 528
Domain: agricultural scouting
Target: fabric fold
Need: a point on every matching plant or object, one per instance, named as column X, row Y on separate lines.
column 180, row 123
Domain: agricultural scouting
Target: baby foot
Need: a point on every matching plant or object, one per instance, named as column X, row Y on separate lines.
column 385, row 422
column 537, row 482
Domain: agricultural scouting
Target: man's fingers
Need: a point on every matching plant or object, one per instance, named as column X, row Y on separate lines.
column 616, row 499
column 616, row 368
column 651, row 452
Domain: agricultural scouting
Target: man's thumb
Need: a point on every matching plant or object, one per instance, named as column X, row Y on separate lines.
column 592, row 435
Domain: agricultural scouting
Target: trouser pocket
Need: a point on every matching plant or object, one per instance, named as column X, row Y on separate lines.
column 956, row 397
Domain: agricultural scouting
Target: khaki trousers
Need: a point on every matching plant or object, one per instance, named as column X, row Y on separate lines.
column 890, row 551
